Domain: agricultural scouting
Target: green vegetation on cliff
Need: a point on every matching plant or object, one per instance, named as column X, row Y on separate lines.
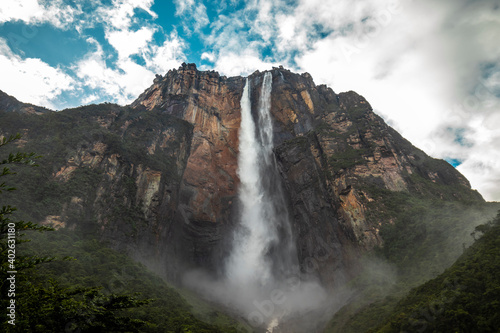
column 424, row 238
column 95, row 264
column 465, row 298
column 424, row 232
column 74, row 141
column 34, row 306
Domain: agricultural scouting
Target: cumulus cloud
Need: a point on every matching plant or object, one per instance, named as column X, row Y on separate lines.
column 161, row 58
column 228, row 34
column 238, row 39
column 35, row 81
column 208, row 56
column 194, row 14
column 126, row 79
column 232, row 64
column 122, row 84
column 56, row 13
column 121, row 13
column 142, row 48
column 65, row 14
column 127, row 42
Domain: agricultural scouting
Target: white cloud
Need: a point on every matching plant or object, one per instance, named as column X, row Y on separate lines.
column 166, row 56
column 120, row 80
column 183, row 6
column 231, row 64
column 237, row 39
column 263, row 23
column 90, row 98
column 482, row 168
column 63, row 14
column 228, row 34
column 208, row 56
column 128, row 42
column 126, row 80
column 120, row 15
column 123, row 79
column 35, row 81
column 122, row 84
column 54, row 12
column 194, row 15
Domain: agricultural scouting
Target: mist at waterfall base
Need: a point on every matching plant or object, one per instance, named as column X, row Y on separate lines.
column 262, row 280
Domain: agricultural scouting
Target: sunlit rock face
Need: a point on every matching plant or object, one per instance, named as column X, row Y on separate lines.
column 211, row 103
column 164, row 169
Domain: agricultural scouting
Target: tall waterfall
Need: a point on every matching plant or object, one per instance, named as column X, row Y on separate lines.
column 262, row 280
column 262, row 249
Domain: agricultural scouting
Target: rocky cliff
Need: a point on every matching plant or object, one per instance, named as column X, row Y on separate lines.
column 158, row 178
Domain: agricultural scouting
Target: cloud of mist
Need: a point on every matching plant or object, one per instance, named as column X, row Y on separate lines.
column 281, row 302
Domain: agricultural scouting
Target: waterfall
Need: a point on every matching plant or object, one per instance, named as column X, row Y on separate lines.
column 262, row 281
column 262, row 247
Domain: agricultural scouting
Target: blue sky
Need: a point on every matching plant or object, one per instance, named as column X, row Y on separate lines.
column 430, row 68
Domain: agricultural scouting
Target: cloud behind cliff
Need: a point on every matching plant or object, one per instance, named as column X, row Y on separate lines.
column 431, row 69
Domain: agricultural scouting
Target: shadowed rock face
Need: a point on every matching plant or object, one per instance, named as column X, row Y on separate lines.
column 166, row 190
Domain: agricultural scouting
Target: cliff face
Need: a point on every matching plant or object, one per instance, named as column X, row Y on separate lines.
column 330, row 148
column 158, row 178
column 211, row 104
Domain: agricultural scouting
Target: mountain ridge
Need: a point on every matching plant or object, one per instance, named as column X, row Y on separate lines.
column 11, row 104
column 157, row 179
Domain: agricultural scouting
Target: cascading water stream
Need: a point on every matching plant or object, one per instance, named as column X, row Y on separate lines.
column 262, row 245
column 262, row 280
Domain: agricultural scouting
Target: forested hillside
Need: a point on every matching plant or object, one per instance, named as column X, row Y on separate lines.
column 465, row 298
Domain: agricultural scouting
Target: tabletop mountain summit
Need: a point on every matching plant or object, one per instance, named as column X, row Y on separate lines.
column 163, row 180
